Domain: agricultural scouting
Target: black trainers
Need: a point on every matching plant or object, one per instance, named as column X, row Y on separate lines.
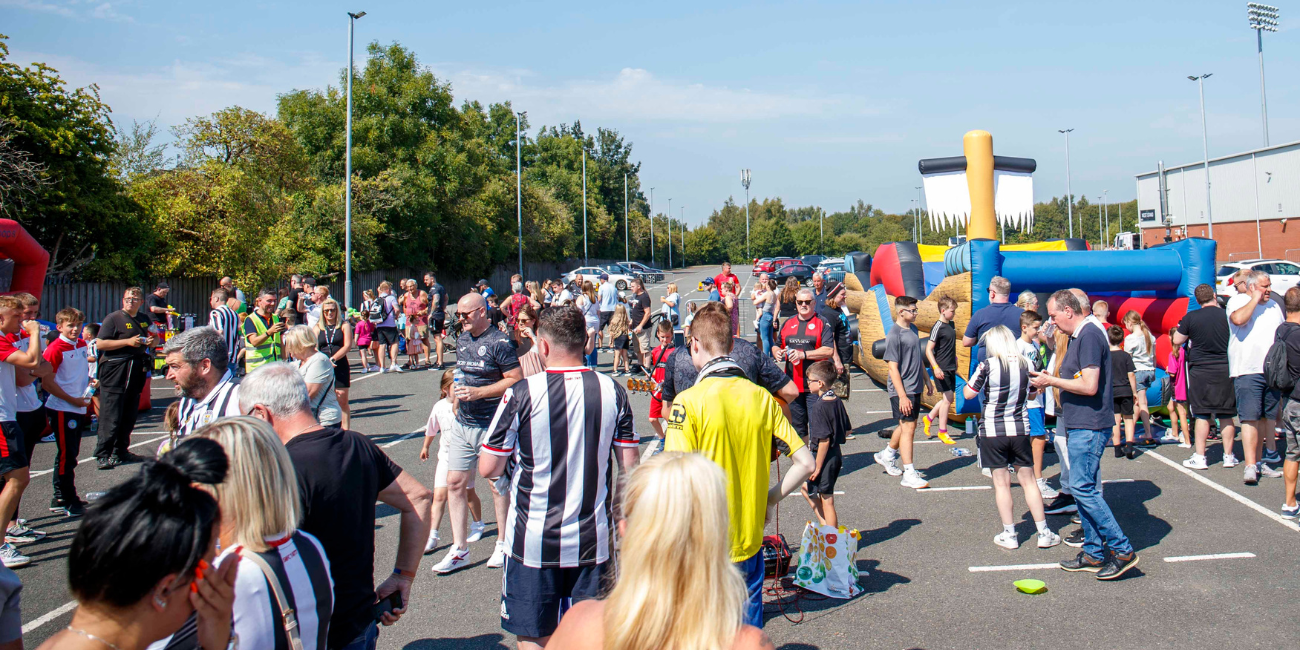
column 105, row 463
column 1084, row 562
column 75, row 509
column 1117, row 565
column 1130, row 450
column 127, row 458
column 1061, row 505
column 1075, row 539
column 1119, row 450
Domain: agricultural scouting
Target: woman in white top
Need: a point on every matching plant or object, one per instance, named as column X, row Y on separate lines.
column 317, row 370
column 671, row 303
column 765, row 303
column 1141, row 345
column 260, row 510
column 589, row 305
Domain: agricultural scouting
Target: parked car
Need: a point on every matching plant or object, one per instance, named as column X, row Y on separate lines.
column 761, row 260
column 650, row 273
column 769, row 264
column 592, row 274
column 831, row 264
column 1284, row 275
column 812, row 260
column 624, row 269
column 797, row 270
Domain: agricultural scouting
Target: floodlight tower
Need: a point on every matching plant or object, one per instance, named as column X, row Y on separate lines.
column 1262, row 18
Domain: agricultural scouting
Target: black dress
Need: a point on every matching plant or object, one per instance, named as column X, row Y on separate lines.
column 330, row 340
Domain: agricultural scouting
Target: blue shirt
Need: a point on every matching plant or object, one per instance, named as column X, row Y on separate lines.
column 998, row 313
column 607, row 297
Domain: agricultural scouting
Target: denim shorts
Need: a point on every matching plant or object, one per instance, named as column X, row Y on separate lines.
column 1254, row 400
column 1144, row 379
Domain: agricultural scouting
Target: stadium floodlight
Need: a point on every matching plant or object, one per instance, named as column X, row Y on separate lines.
column 1205, row 148
column 347, row 173
column 1262, row 18
column 744, row 180
column 1069, row 196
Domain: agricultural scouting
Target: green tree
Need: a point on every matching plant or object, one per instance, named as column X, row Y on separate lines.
column 703, row 246
column 771, row 238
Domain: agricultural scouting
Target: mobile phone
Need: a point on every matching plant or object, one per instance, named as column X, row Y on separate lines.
column 387, row 605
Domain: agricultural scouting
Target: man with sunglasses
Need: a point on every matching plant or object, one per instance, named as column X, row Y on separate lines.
column 803, row 341
column 489, row 364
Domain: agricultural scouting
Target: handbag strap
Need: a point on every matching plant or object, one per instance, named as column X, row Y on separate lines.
column 288, row 616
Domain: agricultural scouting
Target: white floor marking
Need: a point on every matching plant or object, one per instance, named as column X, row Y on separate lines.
column 1229, row 493
column 1120, row 480
column 874, row 412
column 87, row 460
column 63, row 609
column 957, row 489
column 403, row 438
column 837, row 493
column 1216, row 556
column 868, row 390
column 1013, row 567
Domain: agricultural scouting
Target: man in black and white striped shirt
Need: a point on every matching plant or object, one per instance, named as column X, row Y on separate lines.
column 558, row 427
column 226, row 322
column 197, row 361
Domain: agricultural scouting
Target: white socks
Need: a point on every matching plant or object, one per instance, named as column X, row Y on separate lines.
column 1042, row 527
column 909, row 468
column 1009, row 528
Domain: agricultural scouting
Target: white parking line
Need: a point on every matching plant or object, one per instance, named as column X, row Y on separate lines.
column 1231, row 494
column 957, row 489
column 1216, row 556
column 403, row 438
column 1013, row 567
column 869, row 390
column 63, row 609
column 87, row 460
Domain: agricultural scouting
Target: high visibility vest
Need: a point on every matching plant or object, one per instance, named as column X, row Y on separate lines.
column 260, row 355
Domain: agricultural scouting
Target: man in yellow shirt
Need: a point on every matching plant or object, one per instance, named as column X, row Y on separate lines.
column 735, row 423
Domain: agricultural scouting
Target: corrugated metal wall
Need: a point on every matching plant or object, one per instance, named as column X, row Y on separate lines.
column 1275, row 173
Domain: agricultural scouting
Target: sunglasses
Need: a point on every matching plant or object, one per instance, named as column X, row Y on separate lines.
column 467, row 314
column 803, row 302
column 911, row 309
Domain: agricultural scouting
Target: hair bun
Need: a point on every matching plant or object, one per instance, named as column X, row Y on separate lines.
column 197, row 460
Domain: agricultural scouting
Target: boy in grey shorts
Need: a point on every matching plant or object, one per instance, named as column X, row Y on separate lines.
column 1289, row 416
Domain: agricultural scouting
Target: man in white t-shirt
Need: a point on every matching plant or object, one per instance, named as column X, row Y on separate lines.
column 1253, row 319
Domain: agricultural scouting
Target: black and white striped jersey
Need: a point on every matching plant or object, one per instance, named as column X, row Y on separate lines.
column 221, row 402
column 225, row 320
column 559, row 427
column 1006, row 397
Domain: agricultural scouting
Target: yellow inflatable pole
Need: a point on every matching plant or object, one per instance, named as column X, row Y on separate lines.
column 978, row 146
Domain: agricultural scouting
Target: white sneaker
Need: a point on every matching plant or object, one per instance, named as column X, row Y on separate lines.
column 1007, row 540
column 498, row 558
column 49, row 438
column 21, row 534
column 1197, row 461
column 913, row 480
column 12, row 558
column 1046, row 490
column 1184, row 445
column 1268, row 472
column 454, row 559
column 1250, row 476
column 475, row 531
column 890, row 463
column 1230, row 461
column 398, row 369
column 432, row 543
column 1291, row 513
column 1048, row 539
column 988, row 473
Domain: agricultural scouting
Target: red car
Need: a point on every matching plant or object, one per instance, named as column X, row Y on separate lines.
column 768, row 265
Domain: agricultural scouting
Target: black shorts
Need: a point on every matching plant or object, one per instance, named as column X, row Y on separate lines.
column 437, row 324
column 825, row 483
column 1210, row 390
column 916, row 408
column 13, row 452
column 1003, row 451
column 620, row 342
column 604, row 319
column 343, row 373
column 385, row 335
column 533, row 599
column 1124, row 405
column 949, row 382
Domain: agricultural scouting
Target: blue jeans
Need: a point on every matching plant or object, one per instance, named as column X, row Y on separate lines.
column 1100, row 530
column 752, row 571
column 765, row 332
column 367, row 640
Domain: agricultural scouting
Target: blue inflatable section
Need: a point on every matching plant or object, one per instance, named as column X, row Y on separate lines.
column 934, row 275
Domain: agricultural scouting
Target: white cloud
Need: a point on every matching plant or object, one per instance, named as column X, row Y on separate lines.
column 79, row 9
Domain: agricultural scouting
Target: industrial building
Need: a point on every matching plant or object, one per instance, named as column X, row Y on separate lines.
column 1253, row 195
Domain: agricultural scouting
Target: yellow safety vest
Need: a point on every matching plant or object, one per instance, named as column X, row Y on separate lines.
column 256, row 356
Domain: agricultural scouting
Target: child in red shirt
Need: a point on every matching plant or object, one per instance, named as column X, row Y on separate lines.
column 659, row 361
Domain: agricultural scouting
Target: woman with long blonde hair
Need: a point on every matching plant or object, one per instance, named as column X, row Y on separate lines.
column 619, row 326
column 334, row 340
column 681, row 596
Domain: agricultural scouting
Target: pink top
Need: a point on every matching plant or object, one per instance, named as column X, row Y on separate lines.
column 1178, row 373
column 412, row 308
column 364, row 330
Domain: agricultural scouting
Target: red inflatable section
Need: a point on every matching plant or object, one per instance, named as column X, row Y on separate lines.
column 885, row 270
column 1159, row 314
column 30, row 260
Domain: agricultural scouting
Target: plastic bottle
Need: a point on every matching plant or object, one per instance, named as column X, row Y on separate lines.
column 958, row 452
column 89, row 392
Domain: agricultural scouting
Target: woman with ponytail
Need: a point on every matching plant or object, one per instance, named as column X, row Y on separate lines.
column 681, row 596
column 140, row 565
column 1141, row 345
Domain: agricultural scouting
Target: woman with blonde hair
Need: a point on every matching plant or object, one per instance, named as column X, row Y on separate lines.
column 589, row 305
column 681, row 596
column 317, row 370
column 334, row 339
column 1028, row 300
column 732, row 302
column 535, row 295
column 260, row 511
column 1141, row 345
column 671, row 303
column 619, row 326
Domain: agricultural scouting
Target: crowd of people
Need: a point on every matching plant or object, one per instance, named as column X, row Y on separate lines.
column 262, row 500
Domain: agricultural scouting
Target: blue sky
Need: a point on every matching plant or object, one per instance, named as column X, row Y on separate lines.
column 826, row 102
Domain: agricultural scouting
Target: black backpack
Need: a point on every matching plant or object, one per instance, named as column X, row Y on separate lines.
column 1277, row 374
column 378, row 312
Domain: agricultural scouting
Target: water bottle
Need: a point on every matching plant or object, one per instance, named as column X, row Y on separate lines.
column 89, row 392
column 959, row 452
column 457, row 380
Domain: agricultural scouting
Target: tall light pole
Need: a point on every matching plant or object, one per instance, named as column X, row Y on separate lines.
column 683, row 231
column 627, row 252
column 347, row 183
column 744, row 180
column 584, row 205
column 1205, row 148
column 652, row 227
column 1105, row 202
column 519, row 193
column 821, row 227
column 669, row 216
column 1262, row 18
column 918, row 212
column 1069, row 195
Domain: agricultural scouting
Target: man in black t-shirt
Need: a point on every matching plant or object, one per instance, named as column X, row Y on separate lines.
column 1289, row 416
column 758, row 367
column 638, row 305
column 295, row 289
column 437, row 312
column 1087, row 407
column 1210, row 392
column 124, row 342
column 341, row 474
column 155, row 305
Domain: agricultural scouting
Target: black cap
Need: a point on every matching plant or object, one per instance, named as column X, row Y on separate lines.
column 162, row 284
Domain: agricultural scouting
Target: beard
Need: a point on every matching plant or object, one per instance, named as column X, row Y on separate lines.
column 193, row 388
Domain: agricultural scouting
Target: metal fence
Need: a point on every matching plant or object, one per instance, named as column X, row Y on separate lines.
column 190, row 295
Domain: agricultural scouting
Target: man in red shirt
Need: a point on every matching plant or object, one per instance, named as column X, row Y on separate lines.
column 725, row 276
column 803, row 341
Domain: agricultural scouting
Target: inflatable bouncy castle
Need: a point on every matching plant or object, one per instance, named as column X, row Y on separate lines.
column 22, row 261
column 1157, row 283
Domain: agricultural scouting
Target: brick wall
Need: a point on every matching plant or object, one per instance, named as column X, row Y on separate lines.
column 1239, row 240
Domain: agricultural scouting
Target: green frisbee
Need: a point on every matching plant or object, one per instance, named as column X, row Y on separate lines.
column 1030, row 586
